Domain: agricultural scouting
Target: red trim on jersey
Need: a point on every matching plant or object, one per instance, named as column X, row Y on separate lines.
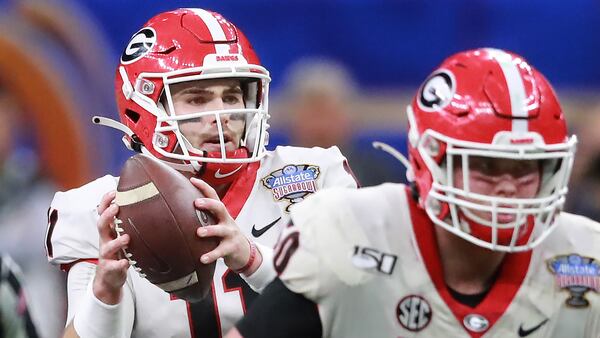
column 237, row 194
column 68, row 266
column 190, row 321
column 215, row 303
column 510, row 277
column 349, row 171
column 237, row 288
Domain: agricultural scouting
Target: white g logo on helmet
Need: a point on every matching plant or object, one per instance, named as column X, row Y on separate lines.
column 139, row 45
column 437, row 91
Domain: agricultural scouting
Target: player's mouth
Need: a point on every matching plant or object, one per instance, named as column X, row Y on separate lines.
column 213, row 143
column 506, row 218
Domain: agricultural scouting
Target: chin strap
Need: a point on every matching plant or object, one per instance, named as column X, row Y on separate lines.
column 410, row 176
column 132, row 142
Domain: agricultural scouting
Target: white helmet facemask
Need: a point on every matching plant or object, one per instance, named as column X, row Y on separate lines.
column 255, row 82
column 457, row 208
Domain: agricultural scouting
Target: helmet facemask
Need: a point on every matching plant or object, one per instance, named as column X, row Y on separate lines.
column 503, row 223
column 170, row 142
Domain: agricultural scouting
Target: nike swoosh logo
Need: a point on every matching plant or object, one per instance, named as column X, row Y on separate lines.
column 258, row 232
column 219, row 175
column 525, row 333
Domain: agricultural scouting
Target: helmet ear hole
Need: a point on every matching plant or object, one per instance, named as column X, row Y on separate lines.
column 133, row 116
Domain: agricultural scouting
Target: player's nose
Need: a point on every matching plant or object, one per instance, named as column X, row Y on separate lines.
column 217, row 105
column 506, row 187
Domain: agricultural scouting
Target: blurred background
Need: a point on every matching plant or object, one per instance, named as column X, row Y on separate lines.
column 343, row 72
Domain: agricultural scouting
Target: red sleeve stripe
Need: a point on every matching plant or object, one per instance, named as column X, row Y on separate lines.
column 68, row 266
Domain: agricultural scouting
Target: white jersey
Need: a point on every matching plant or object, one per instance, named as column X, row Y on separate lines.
column 368, row 259
column 259, row 205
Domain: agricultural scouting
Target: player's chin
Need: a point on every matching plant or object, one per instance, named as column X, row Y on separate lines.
column 231, row 146
column 503, row 236
column 504, row 230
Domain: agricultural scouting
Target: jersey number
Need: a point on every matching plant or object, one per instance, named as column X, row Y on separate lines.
column 205, row 315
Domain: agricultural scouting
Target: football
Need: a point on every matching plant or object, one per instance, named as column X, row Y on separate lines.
column 156, row 210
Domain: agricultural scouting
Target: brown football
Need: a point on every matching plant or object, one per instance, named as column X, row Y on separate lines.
column 156, row 210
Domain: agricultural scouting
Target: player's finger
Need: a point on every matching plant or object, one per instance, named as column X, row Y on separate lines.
column 222, row 250
column 105, row 231
column 106, row 201
column 205, row 188
column 111, row 249
column 116, row 266
column 215, row 207
column 113, row 272
column 214, row 231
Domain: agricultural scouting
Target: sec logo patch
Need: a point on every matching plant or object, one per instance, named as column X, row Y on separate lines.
column 413, row 313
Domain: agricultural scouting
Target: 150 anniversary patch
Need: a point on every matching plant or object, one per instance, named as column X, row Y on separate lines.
column 293, row 182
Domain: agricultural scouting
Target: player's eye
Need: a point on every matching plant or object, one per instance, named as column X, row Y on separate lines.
column 526, row 180
column 482, row 165
column 232, row 99
column 197, row 100
column 482, row 177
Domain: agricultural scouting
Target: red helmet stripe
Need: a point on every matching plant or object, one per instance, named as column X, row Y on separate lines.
column 516, row 89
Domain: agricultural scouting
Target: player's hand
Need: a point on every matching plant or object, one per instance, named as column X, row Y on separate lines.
column 111, row 271
column 234, row 246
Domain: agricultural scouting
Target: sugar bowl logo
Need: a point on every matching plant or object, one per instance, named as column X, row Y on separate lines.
column 292, row 182
column 576, row 274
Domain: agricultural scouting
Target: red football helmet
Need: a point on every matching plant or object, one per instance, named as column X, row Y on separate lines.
column 488, row 103
column 189, row 45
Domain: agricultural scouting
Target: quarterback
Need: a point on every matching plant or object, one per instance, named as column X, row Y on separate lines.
column 191, row 92
column 476, row 246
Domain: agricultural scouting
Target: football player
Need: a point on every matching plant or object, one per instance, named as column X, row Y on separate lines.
column 477, row 246
column 192, row 92
column 15, row 320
